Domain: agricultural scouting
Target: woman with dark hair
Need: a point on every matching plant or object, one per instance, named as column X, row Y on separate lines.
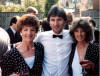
column 27, row 57
column 84, row 57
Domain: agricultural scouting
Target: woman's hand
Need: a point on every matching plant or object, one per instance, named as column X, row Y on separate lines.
column 15, row 74
column 88, row 64
column 19, row 74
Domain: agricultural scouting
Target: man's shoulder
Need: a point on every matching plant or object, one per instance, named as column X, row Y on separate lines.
column 66, row 31
column 8, row 29
column 46, row 33
column 42, row 35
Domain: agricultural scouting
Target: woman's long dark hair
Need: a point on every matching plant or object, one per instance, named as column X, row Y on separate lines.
column 82, row 23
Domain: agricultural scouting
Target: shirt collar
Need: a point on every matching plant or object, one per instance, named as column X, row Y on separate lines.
column 13, row 30
column 58, row 34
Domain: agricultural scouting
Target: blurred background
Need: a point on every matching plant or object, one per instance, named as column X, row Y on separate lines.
column 10, row 8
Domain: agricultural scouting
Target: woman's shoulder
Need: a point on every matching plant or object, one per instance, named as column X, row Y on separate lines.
column 11, row 52
column 9, row 56
column 93, row 46
column 39, row 48
column 38, row 44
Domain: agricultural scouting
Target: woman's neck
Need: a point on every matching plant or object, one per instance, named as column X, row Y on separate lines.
column 83, row 43
column 81, row 49
column 26, row 49
column 27, row 45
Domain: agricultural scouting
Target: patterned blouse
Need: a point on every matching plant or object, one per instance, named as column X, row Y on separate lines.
column 92, row 54
column 14, row 62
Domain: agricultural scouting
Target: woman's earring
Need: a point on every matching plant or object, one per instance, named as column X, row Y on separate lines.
column 21, row 34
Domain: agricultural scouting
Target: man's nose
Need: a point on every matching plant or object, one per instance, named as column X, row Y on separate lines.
column 56, row 23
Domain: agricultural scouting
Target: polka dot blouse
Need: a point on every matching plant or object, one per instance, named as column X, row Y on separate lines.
column 14, row 62
column 92, row 54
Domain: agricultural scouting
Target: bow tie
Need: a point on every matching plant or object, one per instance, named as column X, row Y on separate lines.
column 59, row 36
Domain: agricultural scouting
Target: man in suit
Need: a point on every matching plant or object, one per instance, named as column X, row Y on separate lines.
column 14, row 36
column 95, row 31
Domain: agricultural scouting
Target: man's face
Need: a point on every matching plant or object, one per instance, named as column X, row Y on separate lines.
column 14, row 25
column 57, row 24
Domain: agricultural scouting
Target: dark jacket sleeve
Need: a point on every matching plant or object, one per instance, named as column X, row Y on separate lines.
column 6, row 64
column 93, row 55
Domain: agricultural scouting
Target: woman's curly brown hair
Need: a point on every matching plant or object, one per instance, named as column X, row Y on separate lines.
column 27, row 19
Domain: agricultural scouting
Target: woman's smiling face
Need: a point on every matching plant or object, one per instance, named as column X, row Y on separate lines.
column 79, row 34
column 28, row 33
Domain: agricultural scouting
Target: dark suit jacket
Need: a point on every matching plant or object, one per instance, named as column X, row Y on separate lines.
column 13, row 61
column 92, row 54
column 13, row 38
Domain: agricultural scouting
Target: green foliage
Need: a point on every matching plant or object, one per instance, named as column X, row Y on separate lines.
column 2, row 7
column 39, row 4
column 67, row 4
column 28, row 3
column 48, row 5
column 13, row 8
column 13, row 1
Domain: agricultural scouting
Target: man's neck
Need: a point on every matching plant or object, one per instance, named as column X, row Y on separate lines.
column 58, row 33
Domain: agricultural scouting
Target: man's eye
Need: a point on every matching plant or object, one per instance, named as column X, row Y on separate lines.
column 52, row 19
column 32, row 30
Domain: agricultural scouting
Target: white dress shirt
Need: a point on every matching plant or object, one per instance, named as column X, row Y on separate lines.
column 56, row 53
column 13, row 30
column 77, row 68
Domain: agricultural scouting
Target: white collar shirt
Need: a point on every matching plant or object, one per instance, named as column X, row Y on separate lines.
column 76, row 63
column 56, row 53
column 13, row 30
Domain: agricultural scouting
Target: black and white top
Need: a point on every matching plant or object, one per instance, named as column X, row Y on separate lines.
column 14, row 62
column 92, row 54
